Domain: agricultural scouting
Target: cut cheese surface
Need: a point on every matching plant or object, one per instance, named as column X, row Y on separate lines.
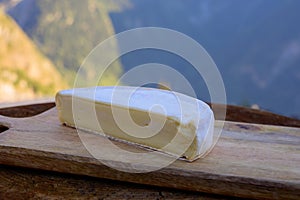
column 162, row 120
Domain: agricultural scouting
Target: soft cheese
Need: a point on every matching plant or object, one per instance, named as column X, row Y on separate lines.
column 159, row 119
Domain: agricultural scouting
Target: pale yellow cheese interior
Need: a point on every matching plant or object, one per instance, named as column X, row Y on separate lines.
column 188, row 135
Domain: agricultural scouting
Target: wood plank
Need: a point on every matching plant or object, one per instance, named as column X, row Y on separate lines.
column 20, row 183
column 255, row 161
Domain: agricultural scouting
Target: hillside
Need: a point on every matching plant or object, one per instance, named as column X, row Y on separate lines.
column 255, row 44
column 66, row 31
column 25, row 72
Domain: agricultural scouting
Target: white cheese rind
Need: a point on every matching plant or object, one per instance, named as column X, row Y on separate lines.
column 187, row 118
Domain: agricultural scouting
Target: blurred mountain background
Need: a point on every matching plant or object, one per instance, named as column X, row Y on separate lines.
column 255, row 44
column 25, row 72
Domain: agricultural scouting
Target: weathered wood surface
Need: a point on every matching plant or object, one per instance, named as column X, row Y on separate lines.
column 250, row 160
column 20, row 183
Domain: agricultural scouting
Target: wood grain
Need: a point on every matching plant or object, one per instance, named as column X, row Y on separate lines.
column 20, row 183
column 255, row 161
column 233, row 113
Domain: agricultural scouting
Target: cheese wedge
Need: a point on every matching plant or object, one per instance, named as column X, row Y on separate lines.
column 162, row 120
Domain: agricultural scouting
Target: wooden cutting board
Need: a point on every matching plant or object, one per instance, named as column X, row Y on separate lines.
column 249, row 160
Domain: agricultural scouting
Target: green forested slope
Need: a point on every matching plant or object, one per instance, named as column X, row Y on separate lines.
column 25, row 73
column 66, row 31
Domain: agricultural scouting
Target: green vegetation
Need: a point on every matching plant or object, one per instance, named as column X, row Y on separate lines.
column 19, row 78
column 66, row 31
column 25, row 72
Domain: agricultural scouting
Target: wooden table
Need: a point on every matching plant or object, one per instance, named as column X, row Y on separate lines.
column 20, row 183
